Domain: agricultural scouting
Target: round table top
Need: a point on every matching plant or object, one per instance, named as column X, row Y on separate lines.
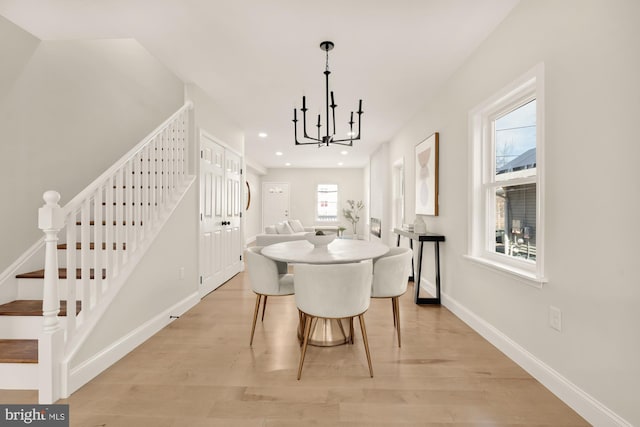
column 338, row 251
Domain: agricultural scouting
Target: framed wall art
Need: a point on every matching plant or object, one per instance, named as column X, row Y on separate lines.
column 426, row 171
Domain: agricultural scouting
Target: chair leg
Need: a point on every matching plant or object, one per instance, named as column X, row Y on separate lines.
column 255, row 317
column 393, row 307
column 351, row 330
column 264, row 307
column 307, row 330
column 396, row 306
column 366, row 343
column 301, row 322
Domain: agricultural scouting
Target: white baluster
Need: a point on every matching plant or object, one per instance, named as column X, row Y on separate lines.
column 186, row 142
column 146, row 184
column 153, row 180
column 128, row 212
column 179, row 143
column 51, row 342
column 109, row 232
column 98, row 230
column 85, row 259
column 172, row 159
column 166, row 135
column 119, row 218
column 136, row 182
column 72, row 254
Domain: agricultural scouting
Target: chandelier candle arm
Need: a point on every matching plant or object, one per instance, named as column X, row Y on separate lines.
column 333, row 111
column 304, row 115
column 330, row 133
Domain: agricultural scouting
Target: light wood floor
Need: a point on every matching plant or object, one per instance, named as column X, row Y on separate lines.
column 200, row 371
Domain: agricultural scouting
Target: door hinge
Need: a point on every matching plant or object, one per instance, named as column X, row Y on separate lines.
column 200, row 217
column 240, row 257
column 240, row 171
column 201, row 154
column 201, row 280
column 240, row 214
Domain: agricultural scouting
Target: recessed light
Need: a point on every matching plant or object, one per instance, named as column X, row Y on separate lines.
column 278, row 153
column 263, row 135
column 340, row 164
column 344, row 152
column 287, row 164
column 351, row 134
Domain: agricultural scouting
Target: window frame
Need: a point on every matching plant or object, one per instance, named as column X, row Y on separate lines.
column 482, row 186
column 337, row 217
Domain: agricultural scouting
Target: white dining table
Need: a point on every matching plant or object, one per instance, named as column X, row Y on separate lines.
column 325, row 332
column 337, row 252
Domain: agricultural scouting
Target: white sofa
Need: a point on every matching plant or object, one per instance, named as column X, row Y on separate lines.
column 287, row 231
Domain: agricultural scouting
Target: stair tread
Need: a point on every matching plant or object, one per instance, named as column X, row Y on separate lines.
column 132, row 204
column 18, row 351
column 62, row 274
column 63, row 246
column 31, row 307
column 104, row 222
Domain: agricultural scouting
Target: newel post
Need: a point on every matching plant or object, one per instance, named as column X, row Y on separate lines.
column 50, row 221
column 51, row 343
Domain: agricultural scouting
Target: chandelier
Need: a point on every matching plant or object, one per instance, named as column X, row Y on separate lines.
column 329, row 137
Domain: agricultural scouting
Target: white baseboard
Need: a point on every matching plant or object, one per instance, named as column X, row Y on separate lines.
column 89, row 369
column 584, row 404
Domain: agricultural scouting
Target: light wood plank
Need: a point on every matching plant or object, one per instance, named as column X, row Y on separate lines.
column 200, row 371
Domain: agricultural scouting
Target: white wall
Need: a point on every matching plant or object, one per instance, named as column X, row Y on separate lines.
column 67, row 113
column 155, row 285
column 303, row 184
column 16, row 47
column 592, row 61
column 213, row 119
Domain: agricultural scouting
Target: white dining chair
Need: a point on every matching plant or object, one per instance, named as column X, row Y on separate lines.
column 333, row 291
column 268, row 278
column 390, row 277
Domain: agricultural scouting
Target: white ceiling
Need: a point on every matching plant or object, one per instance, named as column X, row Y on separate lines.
column 257, row 57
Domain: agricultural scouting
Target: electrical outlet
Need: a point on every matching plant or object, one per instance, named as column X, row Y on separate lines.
column 181, row 273
column 555, row 318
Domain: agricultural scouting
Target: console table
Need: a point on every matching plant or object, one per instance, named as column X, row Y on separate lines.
column 421, row 238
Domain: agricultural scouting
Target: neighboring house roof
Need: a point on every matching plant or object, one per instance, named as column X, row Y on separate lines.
column 526, row 160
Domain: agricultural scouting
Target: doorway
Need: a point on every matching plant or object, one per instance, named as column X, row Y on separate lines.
column 275, row 203
column 220, row 213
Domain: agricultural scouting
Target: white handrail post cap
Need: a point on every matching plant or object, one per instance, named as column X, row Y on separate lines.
column 50, row 216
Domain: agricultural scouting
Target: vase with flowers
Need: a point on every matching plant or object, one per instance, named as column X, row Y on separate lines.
column 353, row 213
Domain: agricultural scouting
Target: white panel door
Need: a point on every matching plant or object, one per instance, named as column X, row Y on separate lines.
column 212, row 211
column 232, row 247
column 275, row 202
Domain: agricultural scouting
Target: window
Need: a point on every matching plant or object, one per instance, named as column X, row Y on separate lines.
column 327, row 202
column 507, row 138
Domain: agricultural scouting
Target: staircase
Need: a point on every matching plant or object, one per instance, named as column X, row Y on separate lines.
column 106, row 229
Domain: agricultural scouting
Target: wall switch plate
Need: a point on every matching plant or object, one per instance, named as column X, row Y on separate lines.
column 181, row 273
column 555, row 318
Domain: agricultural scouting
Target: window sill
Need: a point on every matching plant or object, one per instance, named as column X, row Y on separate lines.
column 524, row 276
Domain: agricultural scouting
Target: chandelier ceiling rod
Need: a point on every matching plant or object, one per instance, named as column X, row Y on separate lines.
column 329, row 137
